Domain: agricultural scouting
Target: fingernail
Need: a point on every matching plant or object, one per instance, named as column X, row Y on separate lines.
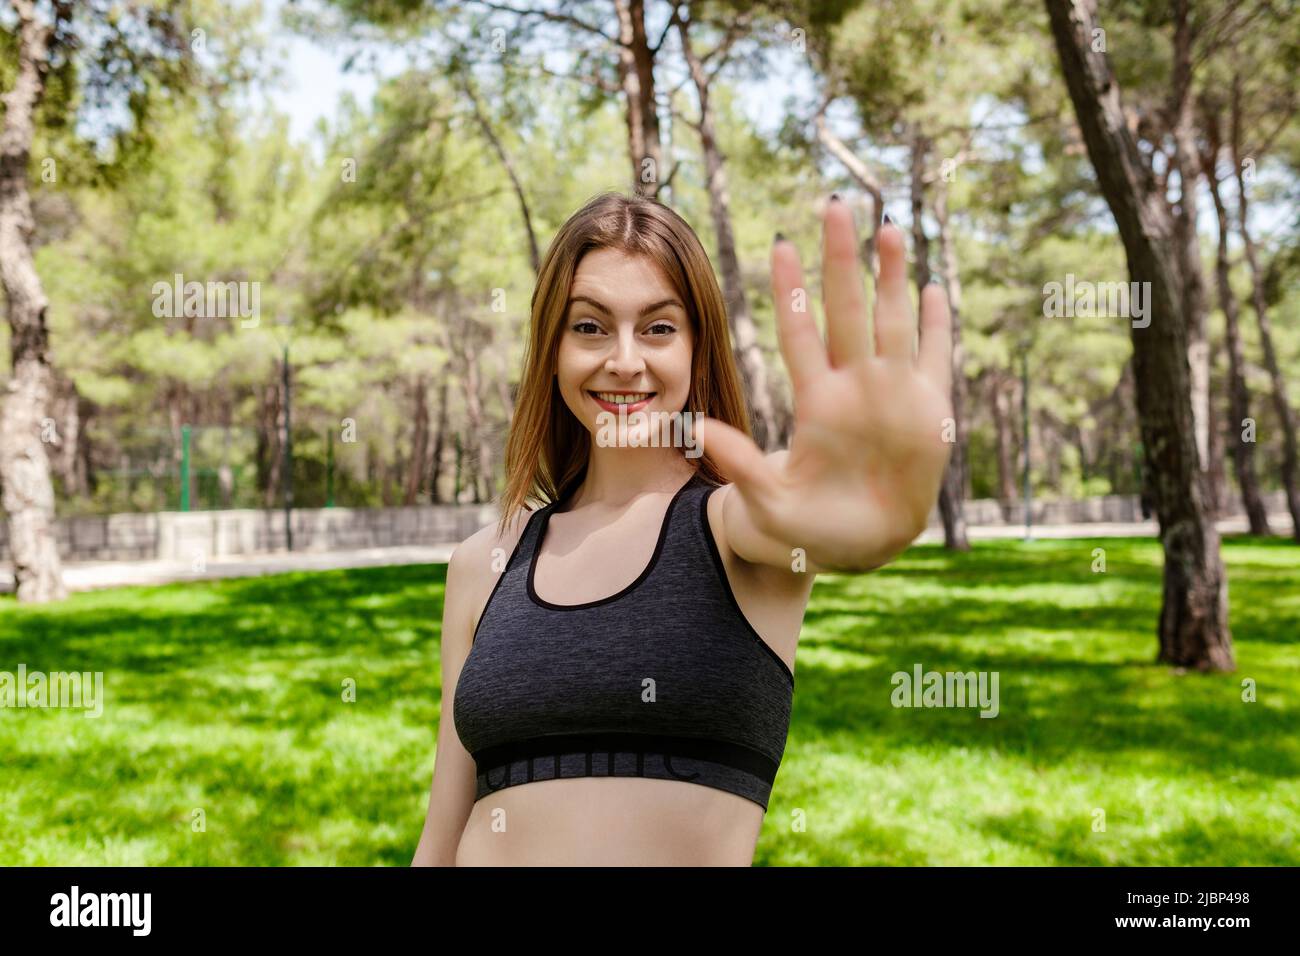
column 934, row 279
column 887, row 220
column 835, row 197
column 777, row 238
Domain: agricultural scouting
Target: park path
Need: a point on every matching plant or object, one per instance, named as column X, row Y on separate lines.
column 91, row 575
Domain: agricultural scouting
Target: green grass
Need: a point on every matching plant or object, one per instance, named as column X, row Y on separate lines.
column 227, row 697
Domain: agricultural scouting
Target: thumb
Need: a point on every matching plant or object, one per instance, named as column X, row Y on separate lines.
column 735, row 454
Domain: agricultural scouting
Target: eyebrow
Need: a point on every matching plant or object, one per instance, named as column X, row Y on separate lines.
column 653, row 307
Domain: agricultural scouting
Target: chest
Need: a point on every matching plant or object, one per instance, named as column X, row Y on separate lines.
column 582, row 561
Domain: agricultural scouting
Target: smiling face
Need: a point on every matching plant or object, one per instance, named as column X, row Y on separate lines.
column 626, row 334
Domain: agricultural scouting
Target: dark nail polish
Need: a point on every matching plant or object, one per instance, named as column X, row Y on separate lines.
column 778, row 237
column 887, row 220
column 835, row 197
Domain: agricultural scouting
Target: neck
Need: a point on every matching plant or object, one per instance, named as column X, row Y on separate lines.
column 617, row 476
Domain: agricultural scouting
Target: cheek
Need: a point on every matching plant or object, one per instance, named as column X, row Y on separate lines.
column 568, row 365
column 574, row 367
column 679, row 367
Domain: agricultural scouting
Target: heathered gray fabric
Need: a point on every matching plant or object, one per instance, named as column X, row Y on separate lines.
column 536, row 671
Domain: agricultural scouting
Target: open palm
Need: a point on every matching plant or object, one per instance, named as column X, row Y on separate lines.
column 873, row 420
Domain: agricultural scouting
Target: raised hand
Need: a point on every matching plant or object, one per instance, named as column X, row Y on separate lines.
column 873, row 415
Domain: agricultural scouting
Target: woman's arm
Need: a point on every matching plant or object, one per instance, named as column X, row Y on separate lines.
column 451, row 794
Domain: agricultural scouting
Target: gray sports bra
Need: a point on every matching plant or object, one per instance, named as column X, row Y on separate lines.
column 665, row 679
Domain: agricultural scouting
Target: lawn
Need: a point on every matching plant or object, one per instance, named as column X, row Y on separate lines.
column 226, row 738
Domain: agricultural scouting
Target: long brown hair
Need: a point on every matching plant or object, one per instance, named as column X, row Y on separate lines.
column 548, row 448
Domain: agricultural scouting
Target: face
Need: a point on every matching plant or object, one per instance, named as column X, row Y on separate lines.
column 626, row 331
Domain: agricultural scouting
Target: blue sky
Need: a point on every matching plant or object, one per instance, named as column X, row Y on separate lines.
column 313, row 77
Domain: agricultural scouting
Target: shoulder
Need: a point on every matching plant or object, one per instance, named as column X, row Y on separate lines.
column 475, row 565
column 487, row 548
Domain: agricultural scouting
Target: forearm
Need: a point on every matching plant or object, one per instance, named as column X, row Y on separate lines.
column 443, row 826
column 433, row 852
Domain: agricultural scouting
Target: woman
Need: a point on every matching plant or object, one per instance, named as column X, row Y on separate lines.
column 618, row 664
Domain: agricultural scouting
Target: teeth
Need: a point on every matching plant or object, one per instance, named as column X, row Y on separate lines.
column 616, row 398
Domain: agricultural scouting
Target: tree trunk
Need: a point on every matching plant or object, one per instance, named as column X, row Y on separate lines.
column 863, row 176
column 419, row 442
column 1193, row 627
column 1285, row 417
column 28, row 496
column 920, row 242
column 87, row 479
column 636, row 76
column 384, row 473
column 1185, row 161
column 1052, row 447
column 1216, row 480
column 505, row 391
column 1243, row 451
column 952, row 495
column 949, row 509
column 439, row 446
column 225, row 475
column 175, row 393
column 478, row 458
column 744, row 333
column 1081, row 446
column 271, row 444
column 1002, row 426
column 66, row 438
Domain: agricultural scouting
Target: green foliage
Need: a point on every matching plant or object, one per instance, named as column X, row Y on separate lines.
column 391, row 252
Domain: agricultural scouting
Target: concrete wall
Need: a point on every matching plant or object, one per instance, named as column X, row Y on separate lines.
column 1106, row 508
column 174, row 535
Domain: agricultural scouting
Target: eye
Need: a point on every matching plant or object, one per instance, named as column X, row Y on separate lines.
column 577, row 326
column 665, row 325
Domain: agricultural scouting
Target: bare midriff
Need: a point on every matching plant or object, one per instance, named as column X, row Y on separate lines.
column 601, row 821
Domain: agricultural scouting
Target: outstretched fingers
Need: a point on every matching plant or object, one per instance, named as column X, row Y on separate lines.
column 796, row 328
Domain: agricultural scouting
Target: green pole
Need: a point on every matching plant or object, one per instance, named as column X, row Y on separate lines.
column 329, row 469
column 185, row 468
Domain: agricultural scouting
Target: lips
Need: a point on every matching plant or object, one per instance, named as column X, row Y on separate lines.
column 616, row 406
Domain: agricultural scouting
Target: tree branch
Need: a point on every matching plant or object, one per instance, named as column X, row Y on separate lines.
column 549, row 15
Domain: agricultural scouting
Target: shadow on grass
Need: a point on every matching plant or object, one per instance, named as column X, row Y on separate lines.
column 228, row 696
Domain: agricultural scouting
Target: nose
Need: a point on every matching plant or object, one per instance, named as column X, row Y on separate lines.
column 627, row 360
